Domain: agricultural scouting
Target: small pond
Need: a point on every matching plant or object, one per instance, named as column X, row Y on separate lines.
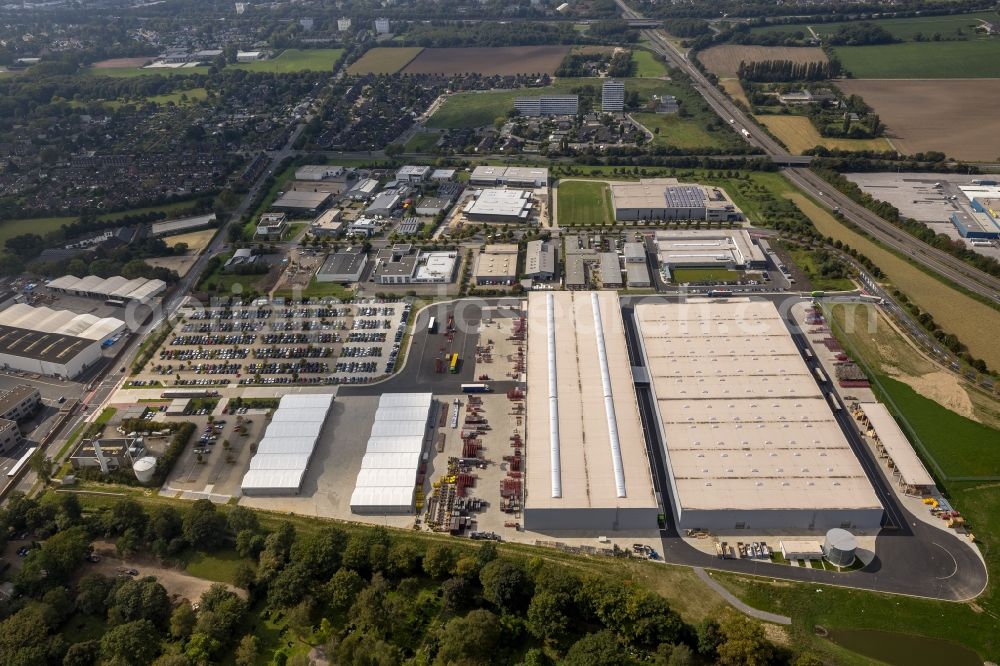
column 903, row 649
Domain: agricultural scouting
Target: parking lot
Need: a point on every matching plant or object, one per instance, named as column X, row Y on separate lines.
column 259, row 343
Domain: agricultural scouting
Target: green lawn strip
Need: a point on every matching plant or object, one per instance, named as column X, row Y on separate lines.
column 130, row 72
column 672, row 130
column 294, row 60
column 422, row 142
column 681, row 275
column 584, row 203
column 923, row 60
column 219, row 566
column 317, row 289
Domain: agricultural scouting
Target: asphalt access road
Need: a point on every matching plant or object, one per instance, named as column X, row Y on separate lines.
column 418, row 373
column 911, row 557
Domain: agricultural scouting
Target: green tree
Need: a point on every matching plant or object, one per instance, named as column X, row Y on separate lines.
column 506, row 585
column 246, row 651
column 221, row 613
column 84, row 653
column 130, row 644
column 547, row 615
column 143, row 599
column 41, row 465
column 403, row 559
column 92, row 593
column 473, row 639
column 342, row 589
column 23, row 636
column 439, row 561
column 201, row 649
column 241, row 518
column 744, row 642
column 182, row 621
column 204, row 527
column 249, row 543
column 598, row 649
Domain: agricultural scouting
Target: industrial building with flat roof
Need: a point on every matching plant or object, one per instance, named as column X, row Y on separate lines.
column 181, row 225
column 494, row 205
column 328, row 224
column 540, row 260
column 402, row 264
column 302, row 201
column 320, row 172
column 513, row 176
column 891, row 444
column 749, row 437
column 496, row 264
column 708, row 248
column 586, row 464
column 611, row 271
column 347, row 265
column 975, row 225
column 669, row 199
column 54, row 354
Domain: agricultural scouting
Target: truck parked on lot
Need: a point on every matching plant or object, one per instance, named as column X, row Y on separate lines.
column 476, row 388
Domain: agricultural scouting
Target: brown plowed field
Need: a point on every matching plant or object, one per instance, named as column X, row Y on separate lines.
column 724, row 61
column 957, row 117
column 503, row 60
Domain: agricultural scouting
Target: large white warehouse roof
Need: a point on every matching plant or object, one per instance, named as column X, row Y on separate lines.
column 585, row 448
column 63, row 322
column 749, row 436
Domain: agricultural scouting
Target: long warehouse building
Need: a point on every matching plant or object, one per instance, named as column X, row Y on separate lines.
column 749, row 436
column 586, row 462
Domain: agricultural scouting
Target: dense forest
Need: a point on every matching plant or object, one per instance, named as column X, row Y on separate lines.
column 362, row 595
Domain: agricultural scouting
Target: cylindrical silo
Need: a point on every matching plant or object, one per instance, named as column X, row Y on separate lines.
column 144, row 468
column 839, row 547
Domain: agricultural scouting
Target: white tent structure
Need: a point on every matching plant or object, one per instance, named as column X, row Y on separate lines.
column 63, row 322
column 388, row 477
column 116, row 286
column 283, row 455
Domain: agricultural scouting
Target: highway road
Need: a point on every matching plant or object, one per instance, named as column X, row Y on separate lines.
column 931, row 258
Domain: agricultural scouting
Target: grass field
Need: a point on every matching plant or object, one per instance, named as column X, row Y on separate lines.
column 958, row 313
column 294, row 60
column 584, row 203
column 43, row 225
column 220, row 567
column 318, row 289
column 901, row 28
column 129, row 72
column 692, row 275
column 384, row 60
column 646, row 65
column 923, row 60
column 799, row 134
column 422, row 142
column 805, row 260
column 477, row 109
column 676, row 131
column 178, row 97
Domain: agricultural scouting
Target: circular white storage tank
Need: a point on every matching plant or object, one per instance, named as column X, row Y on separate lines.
column 839, row 547
column 144, row 468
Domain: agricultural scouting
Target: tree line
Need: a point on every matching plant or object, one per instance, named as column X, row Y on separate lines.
column 365, row 595
column 775, row 71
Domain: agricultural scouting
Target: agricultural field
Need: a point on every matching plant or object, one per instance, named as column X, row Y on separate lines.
column 384, row 60
column 900, row 28
column 734, row 89
column 923, row 60
column 799, row 134
column 647, row 66
column 956, row 117
column 957, row 313
column 724, row 61
column 502, row 60
column 295, row 60
column 118, row 63
column 671, row 130
column 584, row 203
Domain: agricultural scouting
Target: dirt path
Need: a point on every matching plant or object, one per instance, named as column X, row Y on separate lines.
column 176, row 581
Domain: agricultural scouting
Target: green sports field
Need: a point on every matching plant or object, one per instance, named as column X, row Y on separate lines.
column 923, row 60
column 295, row 60
column 582, row 203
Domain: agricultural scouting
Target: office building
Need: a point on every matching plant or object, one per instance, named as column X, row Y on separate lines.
column 549, row 105
column 612, row 96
